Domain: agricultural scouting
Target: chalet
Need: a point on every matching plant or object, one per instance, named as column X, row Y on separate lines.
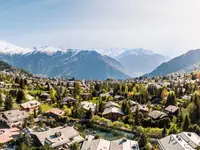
column 155, row 115
column 45, row 97
column 30, row 106
column 112, row 113
column 86, row 96
column 88, row 105
column 101, row 144
column 2, row 84
column 13, row 117
column 69, row 100
column 171, row 109
column 142, row 108
column 133, row 103
column 8, row 134
column 54, row 113
column 181, row 141
column 119, row 97
column 58, row 138
column 111, row 104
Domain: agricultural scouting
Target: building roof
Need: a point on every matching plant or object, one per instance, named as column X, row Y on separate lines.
column 192, row 138
column 59, row 136
column 66, row 99
column 171, row 108
column 30, row 104
column 155, row 114
column 110, row 104
column 15, row 115
column 7, row 135
column 101, row 144
column 56, row 111
column 113, row 110
column 181, row 141
column 140, row 108
column 87, row 105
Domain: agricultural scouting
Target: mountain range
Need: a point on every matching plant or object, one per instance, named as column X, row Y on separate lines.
column 136, row 61
column 81, row 63
column 187, row 62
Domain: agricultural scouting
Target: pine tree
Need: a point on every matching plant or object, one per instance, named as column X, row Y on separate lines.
column 22, row 85
column 52, row 95
column 89, row 114
column 171, row 99
column 77, row 89
column 164, row 131
column 35, row 113
column 17, row 80
column 101, row 107
column 142, row 141
column 137, row 119
column 1, row 100
column 20, row 96
column 8, row 102
column 186, row 123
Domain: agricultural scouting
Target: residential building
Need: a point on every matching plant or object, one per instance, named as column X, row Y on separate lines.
column 112, row 113
column 56, row 138
column 155, row 114
column 101, row 144
column 181, row 141
column 171, row 109
column 88, row 105
column 30, row 105
column 14, row 117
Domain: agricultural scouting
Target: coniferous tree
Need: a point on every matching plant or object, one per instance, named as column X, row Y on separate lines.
column 89, row 114
column 101, row 107
column 77, row 89
column 171, row 99
column 8, row 102
column 22, row 85
column 142, row 141
column 186, row 123
column 20, row 96
column 53, row 95
column 164, row 131
column 17, row 80
column 137, row 119
column 35, row 113
column 1, row 100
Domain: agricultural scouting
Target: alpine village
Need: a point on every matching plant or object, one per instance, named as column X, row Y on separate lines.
column 147, row 113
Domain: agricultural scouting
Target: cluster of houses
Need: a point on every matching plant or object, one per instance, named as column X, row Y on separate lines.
column 63, row 136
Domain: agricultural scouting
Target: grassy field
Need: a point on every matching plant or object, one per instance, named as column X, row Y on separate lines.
column 45, row 107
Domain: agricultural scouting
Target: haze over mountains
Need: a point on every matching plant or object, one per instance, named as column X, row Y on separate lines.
column 187, row 62
column 82, row 64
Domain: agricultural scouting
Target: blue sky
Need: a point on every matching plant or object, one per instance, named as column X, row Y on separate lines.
column 169, row 27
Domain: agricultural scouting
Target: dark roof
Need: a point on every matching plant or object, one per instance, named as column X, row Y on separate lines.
column 171, row 108
column 155, row 114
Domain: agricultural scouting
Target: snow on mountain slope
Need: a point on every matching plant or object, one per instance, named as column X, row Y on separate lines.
column 12, row 49
column 115, row 53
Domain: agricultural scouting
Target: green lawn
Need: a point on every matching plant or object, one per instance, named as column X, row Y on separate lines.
column 94, row 100
column 33, row 92
column 45, row 107
column 15, row 106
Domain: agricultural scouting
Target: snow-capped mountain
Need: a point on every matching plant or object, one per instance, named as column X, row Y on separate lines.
column 12, row 49
column 116, row 53
column 135, row 61
column 139, row 61
column 59, row 62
